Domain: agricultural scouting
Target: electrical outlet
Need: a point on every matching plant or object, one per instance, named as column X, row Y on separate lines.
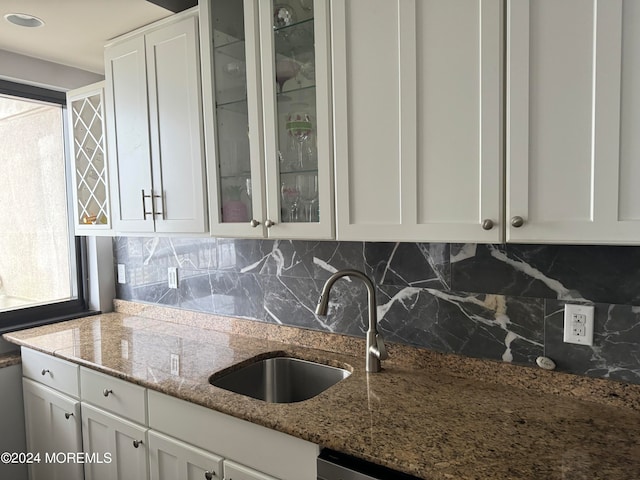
column 578, row 324
column 175, row 364
column 173, row 277
column 122, row 273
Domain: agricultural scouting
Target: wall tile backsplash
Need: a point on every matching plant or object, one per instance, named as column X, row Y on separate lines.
column 501, row 302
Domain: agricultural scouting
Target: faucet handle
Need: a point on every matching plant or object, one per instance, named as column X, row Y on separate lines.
column 380, row 350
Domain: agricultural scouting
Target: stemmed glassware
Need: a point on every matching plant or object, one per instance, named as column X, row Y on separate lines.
column 307, row 186
column 300, row 129
column 290, row 196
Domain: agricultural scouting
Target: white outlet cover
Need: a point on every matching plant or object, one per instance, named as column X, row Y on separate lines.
column 578, row 324
column 122, row 273
column 175, row 364
column 172, row 277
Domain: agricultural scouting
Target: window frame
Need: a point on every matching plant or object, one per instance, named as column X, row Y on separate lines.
column 53, row 312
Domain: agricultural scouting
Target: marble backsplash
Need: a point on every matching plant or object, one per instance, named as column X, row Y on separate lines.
column 501, row 302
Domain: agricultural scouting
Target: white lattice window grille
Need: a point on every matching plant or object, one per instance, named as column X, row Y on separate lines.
column 92, row 199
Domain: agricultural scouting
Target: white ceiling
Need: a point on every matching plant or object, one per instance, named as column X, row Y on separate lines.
column 75, row 31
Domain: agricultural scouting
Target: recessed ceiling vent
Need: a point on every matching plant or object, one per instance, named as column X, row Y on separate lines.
column 23, row 20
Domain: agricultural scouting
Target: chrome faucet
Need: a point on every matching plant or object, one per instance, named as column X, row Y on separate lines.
column 376, row 350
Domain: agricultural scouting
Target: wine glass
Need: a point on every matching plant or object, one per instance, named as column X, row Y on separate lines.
column 300, row 128
column 290, row 196
column 307, row 185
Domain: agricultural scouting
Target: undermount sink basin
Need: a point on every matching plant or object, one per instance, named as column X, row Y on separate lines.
column 280, row 379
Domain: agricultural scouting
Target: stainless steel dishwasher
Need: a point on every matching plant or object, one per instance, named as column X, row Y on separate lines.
column 339, row 466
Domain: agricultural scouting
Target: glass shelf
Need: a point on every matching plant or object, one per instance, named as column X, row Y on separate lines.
column 233, row 176
column 237, row 106
column 297, row 94
column 234, row 49
column 305, row 22
column 302, row 171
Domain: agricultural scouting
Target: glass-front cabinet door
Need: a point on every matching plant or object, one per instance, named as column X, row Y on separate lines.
column 267, row 118
column 85, row 108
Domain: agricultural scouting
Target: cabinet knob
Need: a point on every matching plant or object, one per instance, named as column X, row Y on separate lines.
column 254, row 223
column 106, row 392
column 209, row 475
column 137, row 443
column 45, row 371
column 517, row 221
column 269, row 223
column 487, row 224
column 68, row 415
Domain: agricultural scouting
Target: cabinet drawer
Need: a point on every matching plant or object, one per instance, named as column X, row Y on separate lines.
column 51, row 371
column 115, row 395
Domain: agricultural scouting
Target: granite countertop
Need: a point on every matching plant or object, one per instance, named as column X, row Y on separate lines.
column 9, row 359
column 431, row 415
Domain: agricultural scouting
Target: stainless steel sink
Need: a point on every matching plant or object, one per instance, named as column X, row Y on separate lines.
column 280, row 379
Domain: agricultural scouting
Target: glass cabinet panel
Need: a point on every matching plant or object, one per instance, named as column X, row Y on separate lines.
column 89, row 158
column 266, row 91
column 232, row 118
column 294, row 67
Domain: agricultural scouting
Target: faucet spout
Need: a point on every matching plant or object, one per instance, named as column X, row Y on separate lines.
column 376, row 350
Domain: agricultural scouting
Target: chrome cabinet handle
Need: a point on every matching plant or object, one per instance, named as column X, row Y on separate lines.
column 144, row 205
column 45, row 371
column 106, row 392
column 153, row 204
column 487, row 224
column 209, row 475
column 68, row 415
column 137, row 443
column 517, row 221
column 153, row 211
column 269, row 223
column 254, row 223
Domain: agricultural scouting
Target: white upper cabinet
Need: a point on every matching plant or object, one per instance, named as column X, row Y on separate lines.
column 417, row 119
column 266, row 90
column 573, row 116
column 154, row 103
column 85, row 106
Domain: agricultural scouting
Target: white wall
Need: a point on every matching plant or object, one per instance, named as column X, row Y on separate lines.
column 40, row 73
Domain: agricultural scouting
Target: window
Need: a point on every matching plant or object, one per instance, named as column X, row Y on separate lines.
column 40, row 259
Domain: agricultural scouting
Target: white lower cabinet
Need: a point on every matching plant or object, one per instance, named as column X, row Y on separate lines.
column 263, row 453
column 52, row 422
column 171, row 459
column 235, row 471
column 125, row 432
column 117, row 446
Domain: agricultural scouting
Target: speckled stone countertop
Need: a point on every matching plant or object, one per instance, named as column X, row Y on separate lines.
column 431, row 415
column 9, row 359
